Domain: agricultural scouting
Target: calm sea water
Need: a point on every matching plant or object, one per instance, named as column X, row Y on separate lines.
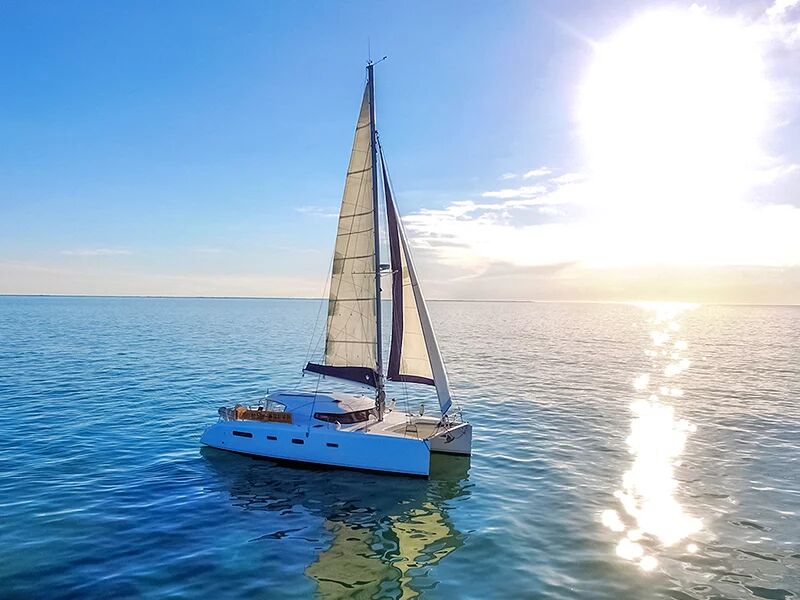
column 620, row 452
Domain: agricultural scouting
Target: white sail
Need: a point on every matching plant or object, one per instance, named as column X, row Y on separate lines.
column 351, row 341
column 414, row 355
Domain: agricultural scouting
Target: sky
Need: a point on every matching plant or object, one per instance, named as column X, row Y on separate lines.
column 587, row 151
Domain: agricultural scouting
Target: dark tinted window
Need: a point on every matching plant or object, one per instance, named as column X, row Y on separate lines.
column 345, row 418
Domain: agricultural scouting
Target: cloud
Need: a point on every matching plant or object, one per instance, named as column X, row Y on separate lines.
column 550, row 210
column 208, row 250
column 774, row 173
column 526, row 191
column 540, row 172
column 782, row 21
column 568, row 178
column 96, row 252
column 591, row 228
column 317, row 211
column 752, row 285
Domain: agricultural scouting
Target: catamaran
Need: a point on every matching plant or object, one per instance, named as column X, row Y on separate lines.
column 360, row 431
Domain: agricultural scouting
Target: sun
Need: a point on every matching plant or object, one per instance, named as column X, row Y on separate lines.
column 672, row 112
column 676, row 100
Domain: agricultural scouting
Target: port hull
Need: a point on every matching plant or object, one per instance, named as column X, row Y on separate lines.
column 325, row 446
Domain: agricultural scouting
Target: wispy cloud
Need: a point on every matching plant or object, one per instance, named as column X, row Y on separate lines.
column 317, row 211
column 540, row 172
column 771, row 174
column 568, row 178
column 526, row 191
column 96, row 252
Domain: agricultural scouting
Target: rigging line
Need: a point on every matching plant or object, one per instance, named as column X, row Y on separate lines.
column 322, row 301
column 314, row 403
column 406, row 403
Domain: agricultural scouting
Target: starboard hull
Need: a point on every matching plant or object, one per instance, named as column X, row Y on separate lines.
column 331, row 447
column 456, row 440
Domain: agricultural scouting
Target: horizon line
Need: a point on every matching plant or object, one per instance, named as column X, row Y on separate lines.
column 472, row 300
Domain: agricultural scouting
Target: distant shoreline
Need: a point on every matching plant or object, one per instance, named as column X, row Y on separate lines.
column 468, row 300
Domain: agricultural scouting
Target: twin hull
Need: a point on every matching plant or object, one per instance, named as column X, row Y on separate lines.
column 374, row 452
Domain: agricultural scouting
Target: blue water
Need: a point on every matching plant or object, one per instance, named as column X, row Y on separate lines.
column 581, row 485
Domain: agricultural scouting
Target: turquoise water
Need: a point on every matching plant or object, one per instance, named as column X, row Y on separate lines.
column 620, row 452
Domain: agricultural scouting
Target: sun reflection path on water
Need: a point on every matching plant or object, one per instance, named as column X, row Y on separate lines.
column 648, row 509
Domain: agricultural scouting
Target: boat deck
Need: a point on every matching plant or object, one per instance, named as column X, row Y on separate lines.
column 415, row 430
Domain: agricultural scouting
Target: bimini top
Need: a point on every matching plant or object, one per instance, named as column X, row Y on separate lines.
column 322, row 403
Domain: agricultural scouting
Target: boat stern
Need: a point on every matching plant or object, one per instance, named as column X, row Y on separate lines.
column 453, row 440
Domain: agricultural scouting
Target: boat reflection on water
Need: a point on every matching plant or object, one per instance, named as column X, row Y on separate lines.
column 384, row 531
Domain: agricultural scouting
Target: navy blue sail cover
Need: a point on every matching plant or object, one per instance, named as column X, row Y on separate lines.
column 363, row 375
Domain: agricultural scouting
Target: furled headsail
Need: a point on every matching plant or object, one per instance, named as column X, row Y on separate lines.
column 351, row 341
column 414, row 355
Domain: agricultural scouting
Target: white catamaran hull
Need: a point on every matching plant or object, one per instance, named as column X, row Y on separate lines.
column 369, row 451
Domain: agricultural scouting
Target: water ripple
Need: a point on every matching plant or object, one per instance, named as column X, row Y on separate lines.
column 106, row 492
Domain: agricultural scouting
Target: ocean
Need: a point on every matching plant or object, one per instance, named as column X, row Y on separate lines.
column 620, row 451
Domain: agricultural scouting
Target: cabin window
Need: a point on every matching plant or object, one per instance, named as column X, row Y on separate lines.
column 357, row 416
column 297, row 441
column 332, row 445
column 274, row 438
column 274, row 406
column 246, row 434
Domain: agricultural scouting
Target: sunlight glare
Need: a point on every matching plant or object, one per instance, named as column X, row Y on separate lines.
column 650, row 508
column 673, row 112
column 677, row 99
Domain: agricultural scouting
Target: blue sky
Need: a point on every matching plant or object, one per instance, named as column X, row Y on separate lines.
column 198, row 148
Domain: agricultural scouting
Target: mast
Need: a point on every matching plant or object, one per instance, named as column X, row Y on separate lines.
column 380, row 395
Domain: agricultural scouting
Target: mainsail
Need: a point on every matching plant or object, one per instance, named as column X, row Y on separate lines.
column 352, row 337
column 414, row 355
